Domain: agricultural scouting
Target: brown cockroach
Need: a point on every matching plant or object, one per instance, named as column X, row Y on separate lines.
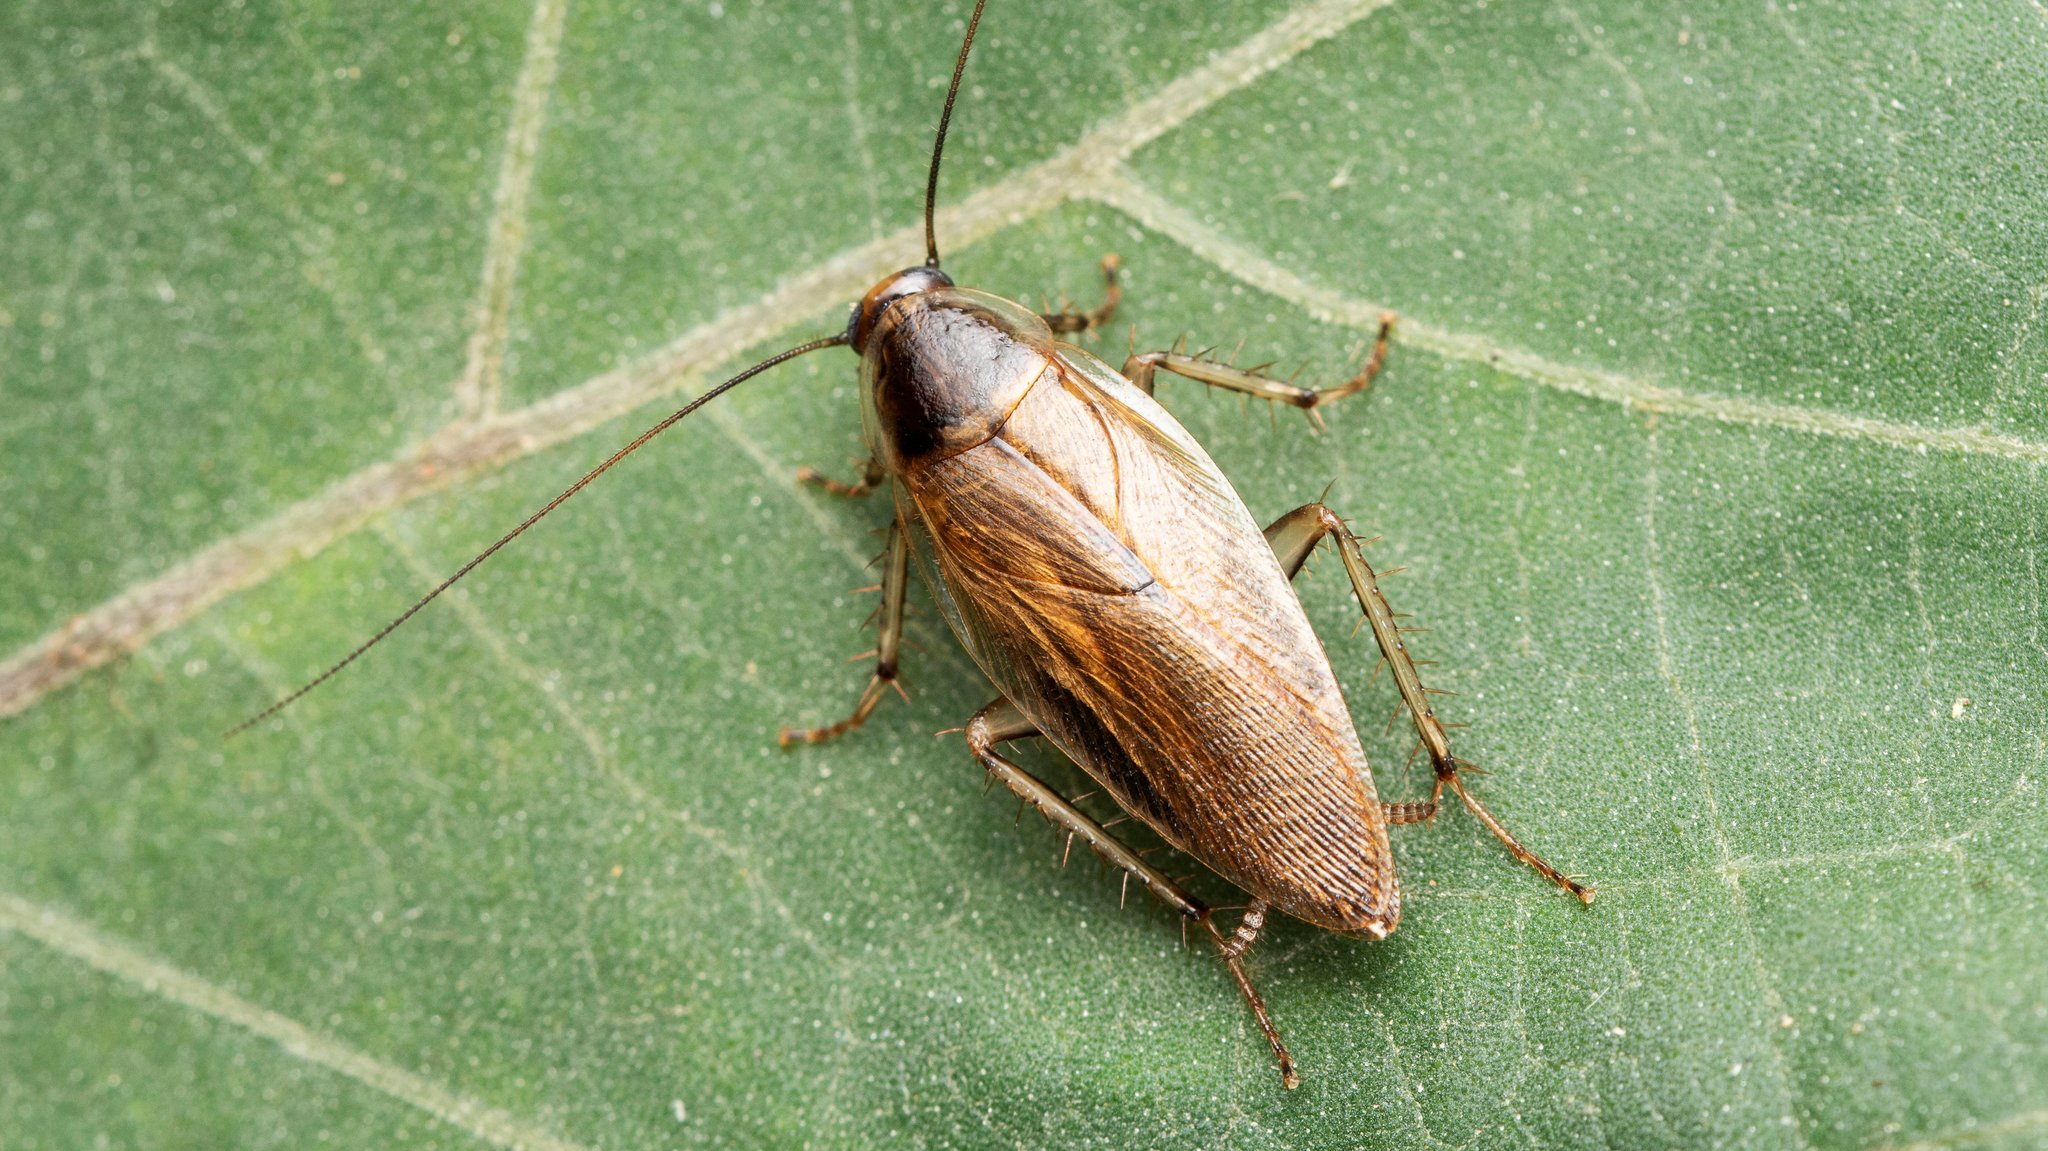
column 1104, row 574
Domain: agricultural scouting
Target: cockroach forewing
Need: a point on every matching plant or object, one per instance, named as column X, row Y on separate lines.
column 1104, row 573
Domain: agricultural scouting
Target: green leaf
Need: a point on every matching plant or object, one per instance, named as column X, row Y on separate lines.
column 1713, row 440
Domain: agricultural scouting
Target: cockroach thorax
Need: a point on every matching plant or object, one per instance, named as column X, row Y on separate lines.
column 908, row 282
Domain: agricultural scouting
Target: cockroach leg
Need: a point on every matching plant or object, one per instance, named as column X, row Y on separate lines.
column 1585, row 892
column 1069, row 322
column 1248, row 929
column 1001, row 722
column 871, row 477
column 889, row 620
column 1139, row 369
column 1235, row 964
column 1292, row 537
column 1397, row 814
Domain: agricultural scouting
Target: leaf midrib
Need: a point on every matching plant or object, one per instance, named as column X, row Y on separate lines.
column 1091, row 169
column 590, row 403
column 131, row 618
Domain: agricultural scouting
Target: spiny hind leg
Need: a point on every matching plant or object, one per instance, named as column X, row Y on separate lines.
column 889, row 642
column 1293, row 538
column 1070, row 322
column 1295, row 535
column 1141, row 368
column 1001, row 722
column 871, row 477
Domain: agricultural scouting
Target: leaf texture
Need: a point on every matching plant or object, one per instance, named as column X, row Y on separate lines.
column 1712, row 438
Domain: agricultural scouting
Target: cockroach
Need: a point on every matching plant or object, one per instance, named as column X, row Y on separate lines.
column 1101, row 570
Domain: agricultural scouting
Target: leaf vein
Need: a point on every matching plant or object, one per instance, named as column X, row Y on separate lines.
column 313, row 242
column 1667, row 668
column 136, row 615
column 478, row 389
column 1118, row 189
column 124, row 961
column 751, row 868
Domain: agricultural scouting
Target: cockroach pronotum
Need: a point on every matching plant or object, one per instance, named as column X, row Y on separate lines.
column 1104, row 574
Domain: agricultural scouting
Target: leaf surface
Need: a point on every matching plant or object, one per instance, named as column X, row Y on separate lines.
column 1712, row 440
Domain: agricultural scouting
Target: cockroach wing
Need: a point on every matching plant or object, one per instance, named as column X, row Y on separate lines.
column 1107, row 577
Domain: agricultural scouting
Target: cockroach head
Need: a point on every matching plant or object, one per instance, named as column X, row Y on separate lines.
column 908, row 282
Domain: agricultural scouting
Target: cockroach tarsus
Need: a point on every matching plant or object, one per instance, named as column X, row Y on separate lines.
column 1104, row 574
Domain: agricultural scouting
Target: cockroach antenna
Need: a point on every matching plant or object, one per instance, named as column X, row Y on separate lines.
column 931, row 184
column 529, row 521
